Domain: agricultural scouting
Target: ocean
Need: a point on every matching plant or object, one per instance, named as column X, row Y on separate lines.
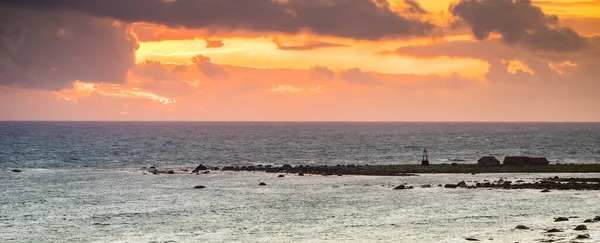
column 136, row 144
column 82, row 182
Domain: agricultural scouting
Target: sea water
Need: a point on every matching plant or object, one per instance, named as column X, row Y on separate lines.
column 98, row 205
column 136, row 144
column 82, row 182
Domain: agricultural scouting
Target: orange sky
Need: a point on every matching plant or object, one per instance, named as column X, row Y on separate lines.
column 516, row 72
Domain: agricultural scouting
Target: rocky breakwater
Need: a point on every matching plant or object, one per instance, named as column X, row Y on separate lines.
column 351, row 169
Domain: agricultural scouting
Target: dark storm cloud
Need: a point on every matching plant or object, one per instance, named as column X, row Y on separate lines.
column 518, row 22
column 357, row 19
column 50, row 50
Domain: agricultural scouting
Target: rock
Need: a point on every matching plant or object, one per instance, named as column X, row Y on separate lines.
column 286, row 167
column 522, row 227
column 581, row 227
column 450, row 186
column 584, row 236
column 399, row 187
column 545, row 190
column 280, row 176
column 588, row 221
column 559, row 219
column 300, row 174
column 439, row 185
column 426, row 186
column 199, row 187
column 410, row 187
column 597, row 218
column 199, row 168
column 262, row 184
column 170, row 172
column 15, row 170
column 554, row 230
column 207, row 172
column 461, row 184
column 471, row 239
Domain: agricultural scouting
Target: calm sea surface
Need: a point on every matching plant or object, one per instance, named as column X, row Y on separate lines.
column 135, row 144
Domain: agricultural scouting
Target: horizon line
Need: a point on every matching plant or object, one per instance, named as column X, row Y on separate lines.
column 305, row 121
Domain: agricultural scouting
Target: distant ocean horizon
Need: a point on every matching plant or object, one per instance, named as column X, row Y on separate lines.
column 130, row 144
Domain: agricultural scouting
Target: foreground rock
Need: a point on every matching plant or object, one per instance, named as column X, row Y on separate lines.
column 560, row 219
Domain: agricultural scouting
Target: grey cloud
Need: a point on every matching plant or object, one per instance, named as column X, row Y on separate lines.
column 211, row 70
column 414, row 7
column 50, row 50
column 358, row 77
column 518, row 22
column 485, row 50
column 309, row 45
column 321, row 73
column 358, row 19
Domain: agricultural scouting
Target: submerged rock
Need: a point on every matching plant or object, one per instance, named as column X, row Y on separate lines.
column 199, row 187
column 280, row 176
column 560, row 219
column 426, row 186
column 554, row 230
column 522, row 227
column 581, row 227
column 545, row 190
column 170, row 172
column 399, row 187
column 262, row 184
column 588, row 221
column 584, row 236
column 471, row 239
column 15, row 170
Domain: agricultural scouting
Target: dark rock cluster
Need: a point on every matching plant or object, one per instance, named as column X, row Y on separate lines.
column 545, row 185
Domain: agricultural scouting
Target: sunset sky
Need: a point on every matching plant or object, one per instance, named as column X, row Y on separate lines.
column 300, row 60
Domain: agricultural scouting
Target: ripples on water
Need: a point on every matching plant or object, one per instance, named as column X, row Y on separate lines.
column 134, row 144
